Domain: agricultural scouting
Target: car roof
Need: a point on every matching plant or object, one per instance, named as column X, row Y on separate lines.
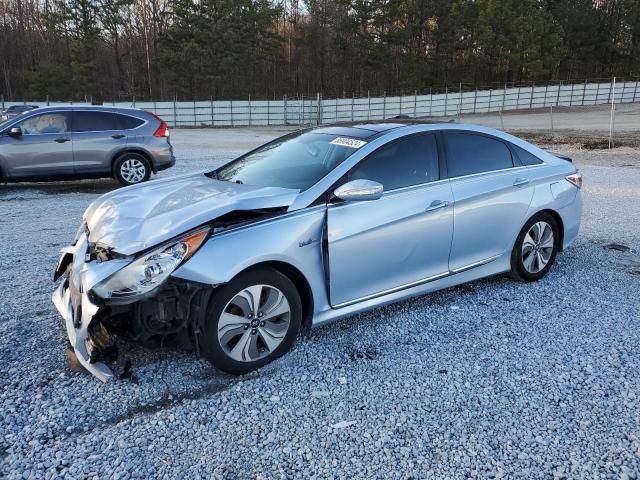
column 370, row 130
column 99, row 108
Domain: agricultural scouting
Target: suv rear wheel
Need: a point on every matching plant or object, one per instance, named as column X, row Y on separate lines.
column 131, row 168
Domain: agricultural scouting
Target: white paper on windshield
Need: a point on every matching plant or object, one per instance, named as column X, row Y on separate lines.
column 348, row 142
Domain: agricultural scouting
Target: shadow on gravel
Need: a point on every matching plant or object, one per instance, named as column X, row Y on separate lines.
column 169, row 400
column 21, row 191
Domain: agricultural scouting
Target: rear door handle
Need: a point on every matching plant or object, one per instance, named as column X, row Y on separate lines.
column 437, row 205
column 520, row 182
column 118, row 136
column 62, row 139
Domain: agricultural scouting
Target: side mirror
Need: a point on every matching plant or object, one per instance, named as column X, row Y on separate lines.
column 15, row 132
column 358, row 190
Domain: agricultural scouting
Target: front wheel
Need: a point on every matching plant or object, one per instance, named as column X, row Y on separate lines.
column 535, row 249
column 131, row 168
column 251, row 321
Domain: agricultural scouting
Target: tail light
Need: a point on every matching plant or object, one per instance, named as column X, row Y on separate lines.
column 575, row 179
column 163, row 130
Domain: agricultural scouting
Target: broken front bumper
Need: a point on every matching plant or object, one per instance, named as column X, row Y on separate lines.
column 72, row 301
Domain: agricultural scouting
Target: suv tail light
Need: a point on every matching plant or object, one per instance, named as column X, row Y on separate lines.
column 575, row 179
column 163, row 130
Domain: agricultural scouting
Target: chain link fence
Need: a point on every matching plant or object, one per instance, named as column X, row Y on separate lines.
column 316, row 110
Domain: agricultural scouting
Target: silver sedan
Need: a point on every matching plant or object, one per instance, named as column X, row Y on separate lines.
column 311, row 227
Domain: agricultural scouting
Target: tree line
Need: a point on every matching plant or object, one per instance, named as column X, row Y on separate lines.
column 200, row 49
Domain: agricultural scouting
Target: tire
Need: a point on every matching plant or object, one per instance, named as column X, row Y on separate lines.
column 131, row 168
column 246, row 338
column 534, row 239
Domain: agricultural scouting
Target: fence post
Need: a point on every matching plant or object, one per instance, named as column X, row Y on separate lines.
column 504, row 94
column 475, row 100
column 551, row 115
column 175, row 113
column 415, row 104
column 584, row 91
column 430, row 101
column 635, row 91
column 195, row 115
column 352, row 105
column 384, row 105
column 558, row 94
column 401, row 104
column 249, row 110
column 268, row 112
column 318, row 121
column 231, row 112
column 533, row 86
column 213, row 121
column 336, row 105
column 446, row 100
column 573, row 86
column 284, row 100
column 369, row 105
column 460, row 100
column 546, row 89
column 490, row 100
column 2, row 100
column 301, row 111
column 612, row 93
column 47, row 102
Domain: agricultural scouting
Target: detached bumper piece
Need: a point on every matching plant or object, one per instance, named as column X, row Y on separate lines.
column 77, row 314
column 76, row 309
column 175, row 309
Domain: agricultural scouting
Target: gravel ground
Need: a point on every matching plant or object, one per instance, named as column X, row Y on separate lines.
column 491, row 379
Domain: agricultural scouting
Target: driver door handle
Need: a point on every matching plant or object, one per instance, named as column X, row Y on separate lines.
column 520, row 182
column 118, row 136
column 62, row 139
column 437, row 205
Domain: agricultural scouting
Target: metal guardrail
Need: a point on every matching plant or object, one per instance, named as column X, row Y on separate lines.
column 302, row 111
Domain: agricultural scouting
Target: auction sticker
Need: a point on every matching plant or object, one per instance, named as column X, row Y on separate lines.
column 348, row 142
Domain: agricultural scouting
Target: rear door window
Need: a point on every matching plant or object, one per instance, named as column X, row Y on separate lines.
column 468, row 153
column 89, row 121
column 402, row 163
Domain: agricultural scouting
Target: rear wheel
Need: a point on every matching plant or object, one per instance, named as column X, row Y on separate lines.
column 131, row 168
column 535, row 249
column 251, row 321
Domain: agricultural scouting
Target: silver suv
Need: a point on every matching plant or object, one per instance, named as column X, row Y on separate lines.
column 55, row 143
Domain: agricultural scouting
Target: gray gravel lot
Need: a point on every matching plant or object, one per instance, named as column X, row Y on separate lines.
column 491, row 379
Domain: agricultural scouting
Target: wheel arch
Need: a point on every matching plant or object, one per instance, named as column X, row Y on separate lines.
column 139, row 151
column 300, row 282
column 556, row 216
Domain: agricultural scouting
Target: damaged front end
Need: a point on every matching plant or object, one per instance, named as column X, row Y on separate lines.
column 104, row 294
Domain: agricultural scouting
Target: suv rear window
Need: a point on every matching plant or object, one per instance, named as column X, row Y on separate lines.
column 469, row 153
column 87, row 121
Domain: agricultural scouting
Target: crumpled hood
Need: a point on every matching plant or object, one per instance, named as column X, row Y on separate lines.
column 131, row 219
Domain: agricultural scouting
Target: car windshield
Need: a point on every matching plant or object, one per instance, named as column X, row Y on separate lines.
column 294, row 161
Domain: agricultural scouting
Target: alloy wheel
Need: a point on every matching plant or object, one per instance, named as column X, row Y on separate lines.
column 133, row 170
column 254, row 323
column 537, row 247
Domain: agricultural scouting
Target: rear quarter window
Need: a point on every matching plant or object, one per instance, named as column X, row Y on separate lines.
column 468, row 153
column 128, row 122
column 525, row 157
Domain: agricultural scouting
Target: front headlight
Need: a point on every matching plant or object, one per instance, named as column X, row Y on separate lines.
column 152, row 269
